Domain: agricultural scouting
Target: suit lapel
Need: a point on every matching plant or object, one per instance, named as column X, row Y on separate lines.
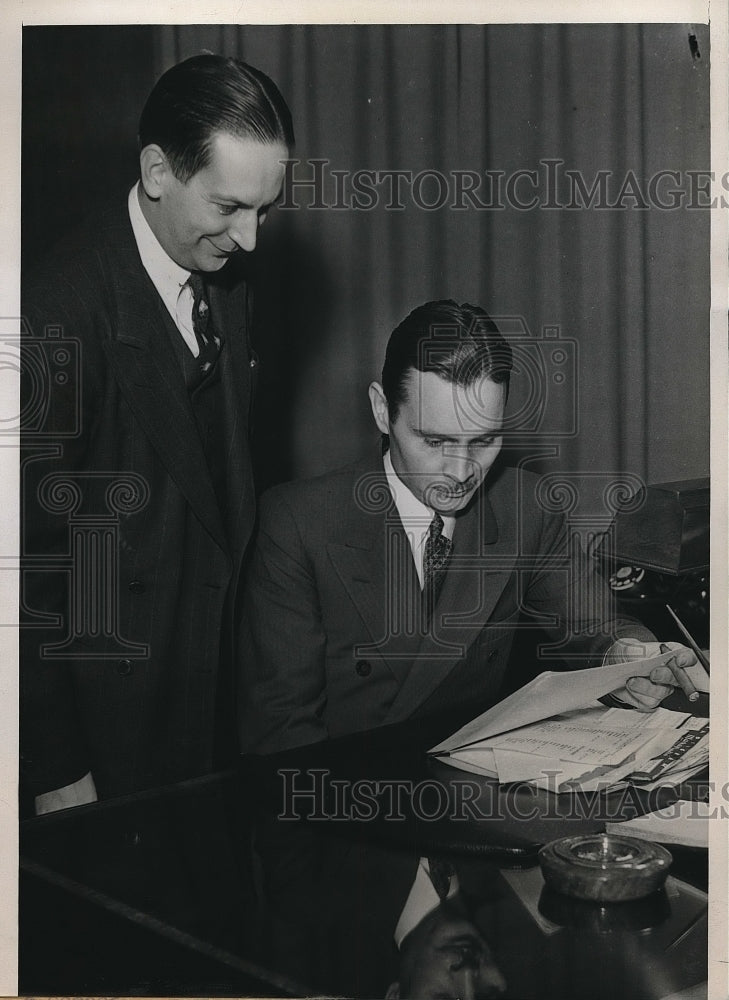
column 151, row 380
column 470, row 590
column 373, row 560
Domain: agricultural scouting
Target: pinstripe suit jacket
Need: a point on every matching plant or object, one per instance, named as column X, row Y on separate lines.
column 119, row 673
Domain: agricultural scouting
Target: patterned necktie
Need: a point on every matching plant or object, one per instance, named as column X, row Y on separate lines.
column 435, row 556
column 207, row 340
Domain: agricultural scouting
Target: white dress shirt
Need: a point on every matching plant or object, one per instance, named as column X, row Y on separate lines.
column 415, row 516
column 168, row 278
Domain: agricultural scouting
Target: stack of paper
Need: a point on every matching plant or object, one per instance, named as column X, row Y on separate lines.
column 593, row 749
column 574, row 748
column 682, row 822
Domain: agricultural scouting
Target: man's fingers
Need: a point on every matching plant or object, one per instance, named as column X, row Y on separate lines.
column 661, row 675
column 684, row 657
column 636, row 702
column 647, row 691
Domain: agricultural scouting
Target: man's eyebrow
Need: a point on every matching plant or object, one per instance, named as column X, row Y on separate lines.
column 492, row 433
column 227, row 200
column 432, row 434
column 484, row 435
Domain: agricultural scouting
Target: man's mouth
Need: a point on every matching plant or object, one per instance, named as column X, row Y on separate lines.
column 223, row 253
column 446, row 496
column 458, row 493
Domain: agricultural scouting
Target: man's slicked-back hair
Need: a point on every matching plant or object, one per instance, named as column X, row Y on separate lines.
column 460, row 343
column 206, row 95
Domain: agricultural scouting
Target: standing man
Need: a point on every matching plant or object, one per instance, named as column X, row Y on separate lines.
column 138, row 500
column 392, row 589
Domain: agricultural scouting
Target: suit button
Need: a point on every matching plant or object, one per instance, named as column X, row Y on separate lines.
column 492, row 655
column 137, row 587
column 363, row 668
column 124, row 667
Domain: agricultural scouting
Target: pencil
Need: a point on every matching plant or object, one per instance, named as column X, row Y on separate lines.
column 681, row 677
column 700, row 655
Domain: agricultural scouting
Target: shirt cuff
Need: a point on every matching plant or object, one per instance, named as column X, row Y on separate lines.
column 78, row 793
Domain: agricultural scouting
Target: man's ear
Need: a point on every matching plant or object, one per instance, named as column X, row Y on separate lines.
column 393, row 992
column 154, row 170
column 380, row 411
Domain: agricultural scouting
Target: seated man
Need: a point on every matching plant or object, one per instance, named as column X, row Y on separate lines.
column 391, row 589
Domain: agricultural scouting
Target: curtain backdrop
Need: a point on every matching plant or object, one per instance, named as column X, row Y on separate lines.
column 626, row 289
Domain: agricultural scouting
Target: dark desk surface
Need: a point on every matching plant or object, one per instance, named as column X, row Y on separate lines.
column 160, row 893
column 382, row 785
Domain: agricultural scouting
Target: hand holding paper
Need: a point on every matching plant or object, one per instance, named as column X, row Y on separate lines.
column 554, row 693
column 646, row 693
column 553, row 733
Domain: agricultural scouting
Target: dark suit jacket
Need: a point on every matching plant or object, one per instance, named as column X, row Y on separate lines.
column 136, row 706
column 332, row 638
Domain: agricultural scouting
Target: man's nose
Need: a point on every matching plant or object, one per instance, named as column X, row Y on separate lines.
column 244, row 231
column 468, row 985
column 481, row 983
column 488, row 981
column 459, row 465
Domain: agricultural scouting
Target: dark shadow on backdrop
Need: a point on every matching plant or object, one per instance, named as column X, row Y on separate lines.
column 83, row 91
column 292, row 292
column 628, row 288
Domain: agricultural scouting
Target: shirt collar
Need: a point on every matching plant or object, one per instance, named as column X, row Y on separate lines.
column 421, row 901
column 167, row 276
column 410, row 509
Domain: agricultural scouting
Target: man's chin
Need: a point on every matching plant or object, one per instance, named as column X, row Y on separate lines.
column 212, row 258
column 211, row 264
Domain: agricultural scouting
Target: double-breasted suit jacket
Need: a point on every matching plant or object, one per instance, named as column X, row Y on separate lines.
column 334, row 639
column 124, row 633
